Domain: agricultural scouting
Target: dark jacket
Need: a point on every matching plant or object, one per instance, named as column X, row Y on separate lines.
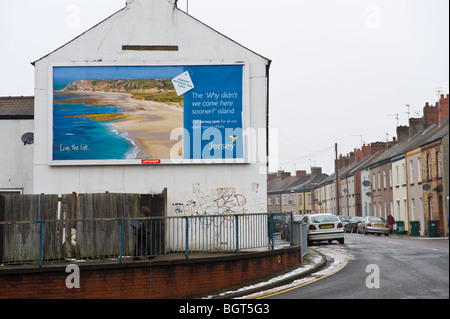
column 391, row 220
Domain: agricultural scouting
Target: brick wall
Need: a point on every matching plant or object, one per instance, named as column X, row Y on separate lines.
column 174, row 279
column 435, row 182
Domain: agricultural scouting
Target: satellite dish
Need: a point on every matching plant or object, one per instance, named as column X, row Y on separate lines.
column 426, row 187
column 369, row 194
column 28, row 138
column 366, row 183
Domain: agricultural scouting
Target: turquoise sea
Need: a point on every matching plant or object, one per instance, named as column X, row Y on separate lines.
column 78, row 138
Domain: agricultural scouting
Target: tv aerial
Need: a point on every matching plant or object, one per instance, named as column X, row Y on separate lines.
column 396, row 117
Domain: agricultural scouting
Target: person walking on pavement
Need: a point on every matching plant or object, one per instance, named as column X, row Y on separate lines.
column 391, row 222
column 141, row 231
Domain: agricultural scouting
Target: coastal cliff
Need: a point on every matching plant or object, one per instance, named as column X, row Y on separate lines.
column 157, row 90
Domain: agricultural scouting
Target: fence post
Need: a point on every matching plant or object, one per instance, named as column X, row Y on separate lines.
column 272, row 231
column 237, row 233
column 187, row 237
column 121, row 241
column 40, row 222
column 292, row 229
column 2, row 226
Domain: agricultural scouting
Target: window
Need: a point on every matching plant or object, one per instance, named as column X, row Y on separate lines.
column 270, row 201
column 404, row 174
column 419, row 170
column 284, row 200
column 309, row 198
column 398, row 208
column 438, row 162
column 390, row 177
column 413, row 209
column 429, row 167
column 385, row 210
column 397, row 176
column 411, row 172
column 374, row 182
column 300, row 199
column 277, row 200
column 379, row 180
column 384, row 179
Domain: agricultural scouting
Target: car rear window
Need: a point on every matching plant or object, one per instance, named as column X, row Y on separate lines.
column 324, row 219
column 376, row 219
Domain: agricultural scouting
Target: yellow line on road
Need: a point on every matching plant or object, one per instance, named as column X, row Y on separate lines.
column 304, row 284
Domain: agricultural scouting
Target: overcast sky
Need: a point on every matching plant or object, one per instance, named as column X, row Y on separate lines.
column 341, row 69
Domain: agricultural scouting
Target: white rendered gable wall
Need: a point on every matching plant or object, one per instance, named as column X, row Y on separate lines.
column 155, row 22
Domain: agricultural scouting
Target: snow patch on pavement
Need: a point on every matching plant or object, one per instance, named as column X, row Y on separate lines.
column 337, row 254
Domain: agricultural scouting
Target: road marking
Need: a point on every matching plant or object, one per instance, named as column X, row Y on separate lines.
column 317, row 278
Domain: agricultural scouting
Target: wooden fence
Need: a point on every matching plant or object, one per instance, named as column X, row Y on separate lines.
column 66, row 221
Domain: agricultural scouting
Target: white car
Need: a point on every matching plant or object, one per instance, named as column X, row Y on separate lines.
column 324, row 227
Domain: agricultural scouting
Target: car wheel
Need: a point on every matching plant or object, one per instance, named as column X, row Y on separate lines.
column 341, row 241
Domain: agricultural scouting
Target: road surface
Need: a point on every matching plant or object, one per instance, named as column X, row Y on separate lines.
column 378, row 267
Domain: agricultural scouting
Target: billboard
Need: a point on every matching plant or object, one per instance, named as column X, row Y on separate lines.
column 147, row 114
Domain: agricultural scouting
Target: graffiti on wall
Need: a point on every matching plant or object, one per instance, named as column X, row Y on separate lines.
column 218, row 201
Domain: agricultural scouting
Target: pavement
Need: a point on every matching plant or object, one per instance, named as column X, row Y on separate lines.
column 313, row 261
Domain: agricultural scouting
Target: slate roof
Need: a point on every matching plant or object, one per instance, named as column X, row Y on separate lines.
column 397, row 152
column 438, row 134
column 16, row 107
column 278, row 185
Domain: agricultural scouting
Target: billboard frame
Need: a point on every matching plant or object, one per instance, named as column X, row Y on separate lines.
column 150, row 161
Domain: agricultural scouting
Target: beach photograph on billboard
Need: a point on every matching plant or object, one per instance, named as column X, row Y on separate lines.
column 147, row 114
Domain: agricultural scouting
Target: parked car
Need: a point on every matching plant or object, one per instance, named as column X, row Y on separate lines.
column 324, row 227
column 345, row 220
column 372, row 224
column 352, row 226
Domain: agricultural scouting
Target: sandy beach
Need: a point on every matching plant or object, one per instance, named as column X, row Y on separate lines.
column 148, row 124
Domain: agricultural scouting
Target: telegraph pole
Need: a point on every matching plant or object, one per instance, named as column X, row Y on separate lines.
column 336, row 170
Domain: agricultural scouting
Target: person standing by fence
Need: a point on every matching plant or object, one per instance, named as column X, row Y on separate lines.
column 142, row 234
column 391, row 222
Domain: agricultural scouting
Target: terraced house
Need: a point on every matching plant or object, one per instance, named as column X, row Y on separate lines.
column 406, row 177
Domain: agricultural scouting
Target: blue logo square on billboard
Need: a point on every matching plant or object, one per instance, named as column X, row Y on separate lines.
column 213, row 113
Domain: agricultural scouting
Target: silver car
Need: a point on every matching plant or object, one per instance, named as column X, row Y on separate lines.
column 372, row 224
column 324, row 227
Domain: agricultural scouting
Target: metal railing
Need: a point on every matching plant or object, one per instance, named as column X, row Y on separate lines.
column 39, row 242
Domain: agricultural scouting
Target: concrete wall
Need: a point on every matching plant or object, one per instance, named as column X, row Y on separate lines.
column 16, row 159
column 156, row 22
